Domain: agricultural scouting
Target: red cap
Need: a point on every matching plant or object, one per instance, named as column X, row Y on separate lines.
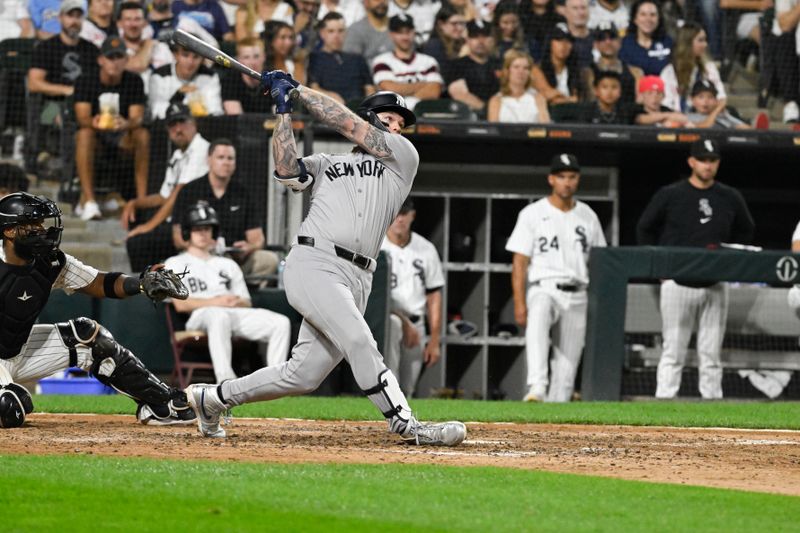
column 651, row 83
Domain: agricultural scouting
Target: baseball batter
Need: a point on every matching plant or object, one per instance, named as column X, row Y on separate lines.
column 551, row 243
column 32, row 266
column 328, row 274
column 417, row 283
column 699, row 212
column 219, row 301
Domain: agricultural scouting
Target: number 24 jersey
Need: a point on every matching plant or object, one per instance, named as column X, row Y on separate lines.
column 558, row 242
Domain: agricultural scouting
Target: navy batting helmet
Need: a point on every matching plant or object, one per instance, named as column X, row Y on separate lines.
column 385, row 101
column 15, row 403
column 200, row 214
column 21, row 208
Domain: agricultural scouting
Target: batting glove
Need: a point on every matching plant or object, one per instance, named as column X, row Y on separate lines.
column 280, row 92
column 268, row 78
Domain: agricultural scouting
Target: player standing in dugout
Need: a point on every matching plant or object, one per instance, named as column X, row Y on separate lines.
column 697, row 212
column 328, row 274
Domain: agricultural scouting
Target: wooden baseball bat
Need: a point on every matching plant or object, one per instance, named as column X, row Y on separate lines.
column 202, row 48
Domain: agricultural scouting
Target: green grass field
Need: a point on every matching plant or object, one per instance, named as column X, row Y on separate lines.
column 80, row 493
column 762, row 415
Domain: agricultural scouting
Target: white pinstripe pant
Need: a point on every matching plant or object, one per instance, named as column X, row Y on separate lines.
column 681, row 308
column 565, row 314
column 42, row 355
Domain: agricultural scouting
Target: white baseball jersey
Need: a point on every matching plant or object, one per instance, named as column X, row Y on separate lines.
column 75, row 275
column 420, row 68
column 356, row 196
column 416, row 271
column 186, row 165
column 211, row 276
column 557, row 242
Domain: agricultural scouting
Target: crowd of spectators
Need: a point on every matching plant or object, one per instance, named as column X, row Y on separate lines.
column 112, row 66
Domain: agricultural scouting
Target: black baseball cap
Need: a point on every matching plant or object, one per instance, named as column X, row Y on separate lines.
column 560, row 32
column 401, row 21
column 407, row 206
column 605, row 29
column 113, row 45
column 564, row 162
column 478, row 27
column 177, row 113
column 705, row 149
column 701, row 86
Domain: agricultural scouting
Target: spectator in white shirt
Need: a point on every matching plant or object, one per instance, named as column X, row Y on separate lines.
column 187, row 81
column 151, row 240
column 415, row 76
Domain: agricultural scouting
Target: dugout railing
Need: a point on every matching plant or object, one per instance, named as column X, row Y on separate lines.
column 612, row 269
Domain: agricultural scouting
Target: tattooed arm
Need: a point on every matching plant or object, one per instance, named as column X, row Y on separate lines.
column 337, row 116
column 284, row 149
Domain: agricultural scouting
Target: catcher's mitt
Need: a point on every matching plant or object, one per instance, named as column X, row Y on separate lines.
column 161, row 283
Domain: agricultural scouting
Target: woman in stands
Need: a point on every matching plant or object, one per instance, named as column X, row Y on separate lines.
column 448, row 37
column 690, row 64
column 252, row 17
column 517, row 100
column 508, row 33
column 646, row 44
column 279, row 38
column 558, row 77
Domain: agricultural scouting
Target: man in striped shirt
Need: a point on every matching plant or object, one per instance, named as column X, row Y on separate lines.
column 412, row 75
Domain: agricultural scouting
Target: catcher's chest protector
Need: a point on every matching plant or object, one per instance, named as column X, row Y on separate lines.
column 24, row 291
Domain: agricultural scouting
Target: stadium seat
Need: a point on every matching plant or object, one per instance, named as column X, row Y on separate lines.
column 443, row 109
column 196, row 342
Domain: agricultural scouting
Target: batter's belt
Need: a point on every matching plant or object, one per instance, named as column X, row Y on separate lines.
column 361, row 261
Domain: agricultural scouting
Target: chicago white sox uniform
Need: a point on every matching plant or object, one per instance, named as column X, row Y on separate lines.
column 218, row 276
column 45, row 353
column 681, row 214
column 355, row 197
column 421, row 67
column 558, row 244
column 416, row 272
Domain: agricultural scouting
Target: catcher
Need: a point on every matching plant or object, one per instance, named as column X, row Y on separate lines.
column 32, row 266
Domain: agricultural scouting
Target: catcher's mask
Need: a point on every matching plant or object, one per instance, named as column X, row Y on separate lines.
column 385, row 101
column 200, row 214
column 36, row 234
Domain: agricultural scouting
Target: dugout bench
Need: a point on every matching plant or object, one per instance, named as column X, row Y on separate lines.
column 611, row 270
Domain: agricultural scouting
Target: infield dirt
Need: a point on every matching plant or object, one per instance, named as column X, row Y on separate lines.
column 755, row 460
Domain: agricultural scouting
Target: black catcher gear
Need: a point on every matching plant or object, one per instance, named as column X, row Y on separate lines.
column 15, row 403
column 385, row 101
column 23, row 209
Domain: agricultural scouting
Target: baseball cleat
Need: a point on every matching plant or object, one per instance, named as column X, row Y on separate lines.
column 444, row 434
column 177, row 417
column 533, row 397
column 208, row 407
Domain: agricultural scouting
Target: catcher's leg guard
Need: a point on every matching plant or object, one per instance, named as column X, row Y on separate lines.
column 114, row 365
column 391, row 401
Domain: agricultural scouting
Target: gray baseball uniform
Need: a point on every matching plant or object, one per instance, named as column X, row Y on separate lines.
column 355, row 197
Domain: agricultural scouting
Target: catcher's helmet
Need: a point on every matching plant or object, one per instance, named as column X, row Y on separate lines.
column 200, row 214
column 385, row 101
column 22, row 208
column 15, row 403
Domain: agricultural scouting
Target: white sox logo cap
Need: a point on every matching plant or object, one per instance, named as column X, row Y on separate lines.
column 705, row 149
column 564, row 162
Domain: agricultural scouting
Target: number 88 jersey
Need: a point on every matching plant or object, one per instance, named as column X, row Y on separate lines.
column 557, row 242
